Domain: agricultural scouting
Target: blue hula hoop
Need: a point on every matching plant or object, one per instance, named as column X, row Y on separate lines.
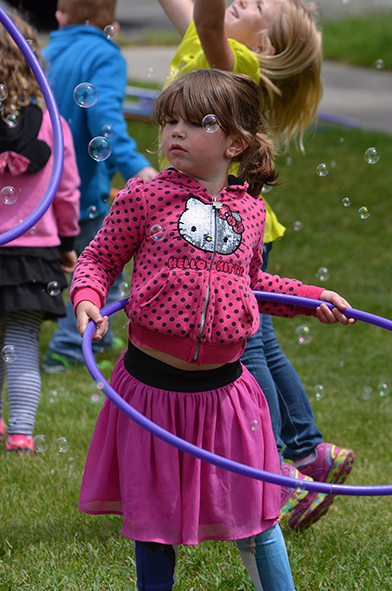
column 58, row 141
column 206, row 456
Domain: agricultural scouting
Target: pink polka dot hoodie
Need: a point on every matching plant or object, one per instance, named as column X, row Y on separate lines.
column 197, row 259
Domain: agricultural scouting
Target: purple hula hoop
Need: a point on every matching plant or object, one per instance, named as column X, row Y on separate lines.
column 58, row 153
column 206, row 456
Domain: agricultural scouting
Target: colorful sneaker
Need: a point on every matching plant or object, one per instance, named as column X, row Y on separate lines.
column 290, row 497
column 55, row 363
column 3, row 429
column 20, row 444
column 331, row 464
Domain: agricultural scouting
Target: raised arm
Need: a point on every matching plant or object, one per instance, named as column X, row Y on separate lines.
column 209, row 18
column 179, row 12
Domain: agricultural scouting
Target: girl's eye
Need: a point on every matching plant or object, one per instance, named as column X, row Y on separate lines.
column 171, row 122
column 196, row 124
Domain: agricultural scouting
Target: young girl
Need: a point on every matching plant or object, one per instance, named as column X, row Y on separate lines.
column 277, row 43
column 196, row 239
column 31, row 266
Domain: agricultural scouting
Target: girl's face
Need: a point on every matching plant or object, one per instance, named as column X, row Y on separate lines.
column 245, row 19
column 191, row 149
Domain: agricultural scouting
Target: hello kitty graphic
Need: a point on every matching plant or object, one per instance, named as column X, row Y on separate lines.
column 209, row 231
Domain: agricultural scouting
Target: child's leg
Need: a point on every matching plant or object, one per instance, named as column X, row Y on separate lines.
column 23, row 375
column 265, row 558
column 2, row 364
column 155, row 566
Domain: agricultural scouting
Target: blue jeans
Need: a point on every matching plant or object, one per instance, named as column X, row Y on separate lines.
column 66, row 340
column 265, row 558
column 292, row 418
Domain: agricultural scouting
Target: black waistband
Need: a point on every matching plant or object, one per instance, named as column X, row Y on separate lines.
column 157, row 374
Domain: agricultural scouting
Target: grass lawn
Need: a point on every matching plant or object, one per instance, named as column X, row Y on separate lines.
column 47, row 544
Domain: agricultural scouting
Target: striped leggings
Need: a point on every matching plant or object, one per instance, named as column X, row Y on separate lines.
column 21, row 330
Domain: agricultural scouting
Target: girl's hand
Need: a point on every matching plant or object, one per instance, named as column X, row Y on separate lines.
column 68, row 260
column 86, row 311
column 327, row 316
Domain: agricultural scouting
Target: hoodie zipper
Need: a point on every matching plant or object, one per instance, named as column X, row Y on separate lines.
column 216, row 205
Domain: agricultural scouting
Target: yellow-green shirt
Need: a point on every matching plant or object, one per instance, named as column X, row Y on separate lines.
column 190, row 56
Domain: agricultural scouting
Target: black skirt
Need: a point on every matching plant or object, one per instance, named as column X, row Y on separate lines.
column 32, row 279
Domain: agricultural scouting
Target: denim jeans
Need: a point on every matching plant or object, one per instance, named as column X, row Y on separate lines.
column 292, row 418
column 66, row 340
column 265, row 558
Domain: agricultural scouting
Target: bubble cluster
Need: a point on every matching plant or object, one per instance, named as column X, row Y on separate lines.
column 85, row 95
column 8, row 195
column 371, row 156
column 157, row 232
column 322, row 169
column 297, row 225
column 322, row 273
column 210, row 123
column 53, row 288
column 346, row 201
column 40, row 443
column 99, row 148
column 363, row 212
column 303, row 334
column 9, row 353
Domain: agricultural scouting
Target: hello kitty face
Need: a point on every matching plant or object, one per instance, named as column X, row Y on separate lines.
column 199, row 222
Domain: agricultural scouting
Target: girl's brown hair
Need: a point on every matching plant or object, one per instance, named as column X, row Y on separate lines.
column 235, row 100
column 98, row 13
column 15, row 73
column 290, row 78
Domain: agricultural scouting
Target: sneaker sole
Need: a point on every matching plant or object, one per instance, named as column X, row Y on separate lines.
column 337, row 475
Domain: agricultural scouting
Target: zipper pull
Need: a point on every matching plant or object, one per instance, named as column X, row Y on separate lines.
column 216, row 204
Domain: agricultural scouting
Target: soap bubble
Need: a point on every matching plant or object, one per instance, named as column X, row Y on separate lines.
column 157, row 232
column 297, row 226
column 333, row 163
column 31, row 44
column 123, row 289
column 289, row 161
column 254, row 425
column 322, row 273
column 8, row 195
column 303, row 334
column 266, row 188
column 85, row 95
column 383, row 389
column 150, row 72
column 99, row 148
column 346, row 201
column 322, row 169
column 210, row 123
column 92, row 212
column 110, row 31
column 107, row 130
column 9, row 353
column 3, row 92
column 379, row 64
column 53, row 397
column 363, row 212
column 319, row 391
column 12, row 119
column 71, row 462
column 53, row 288
column 371, row 156
column 367, row 393
column 40, row 443
column 63, row 444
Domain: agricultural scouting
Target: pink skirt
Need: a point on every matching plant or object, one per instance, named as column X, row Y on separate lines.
column 166, row 495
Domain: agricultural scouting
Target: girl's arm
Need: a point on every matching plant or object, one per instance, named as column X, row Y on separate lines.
column 179, row 12
column 209, row 18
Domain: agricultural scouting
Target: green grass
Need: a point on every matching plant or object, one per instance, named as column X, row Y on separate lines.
column 47, row 544
column 360, row 40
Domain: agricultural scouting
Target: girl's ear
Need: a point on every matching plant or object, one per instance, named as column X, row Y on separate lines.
column 61, row 18
column 235, row 147
column 264, row 46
